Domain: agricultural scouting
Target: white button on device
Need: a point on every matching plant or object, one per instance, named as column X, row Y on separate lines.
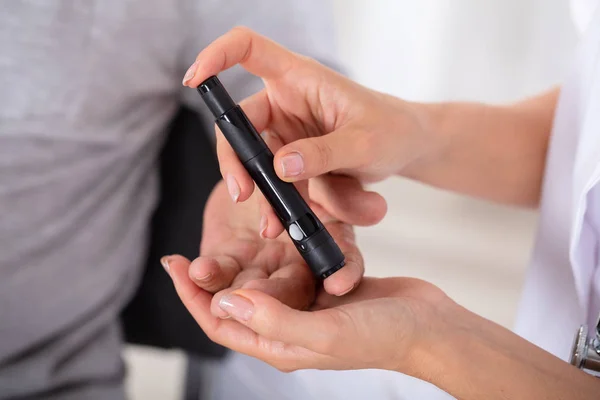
column 296, row 233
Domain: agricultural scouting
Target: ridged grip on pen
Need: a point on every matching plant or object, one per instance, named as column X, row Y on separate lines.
column 310, row 237
column 325, row 258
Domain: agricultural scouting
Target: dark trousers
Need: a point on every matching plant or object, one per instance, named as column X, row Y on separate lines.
column 155, row 316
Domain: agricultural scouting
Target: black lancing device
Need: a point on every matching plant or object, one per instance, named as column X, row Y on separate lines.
column 308, row 234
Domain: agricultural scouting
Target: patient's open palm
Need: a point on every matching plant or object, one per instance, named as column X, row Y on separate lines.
column 234, row 255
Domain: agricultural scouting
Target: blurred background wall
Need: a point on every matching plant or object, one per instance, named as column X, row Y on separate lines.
column 435, row 50
column 442, row 50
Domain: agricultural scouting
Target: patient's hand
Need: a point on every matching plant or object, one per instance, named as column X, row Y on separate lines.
column 399, row 324
column 390, row 323
column 234, row 255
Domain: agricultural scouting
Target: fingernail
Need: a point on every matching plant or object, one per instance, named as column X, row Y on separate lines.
column 238, row 307
column 204, row 278
column 346, row 291
column 189, row 74
column 292, row 164
column 164, row 261
column 263, row 226
column 233, row 188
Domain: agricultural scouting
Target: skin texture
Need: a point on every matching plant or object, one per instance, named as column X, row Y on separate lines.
column 336, row 125
column 399, row 324
column 234, row 255
column 263, row 302
column 496, row 153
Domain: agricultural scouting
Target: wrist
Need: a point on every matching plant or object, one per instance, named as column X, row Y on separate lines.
column 440, row 343
column 475, row 358
column 424, row 122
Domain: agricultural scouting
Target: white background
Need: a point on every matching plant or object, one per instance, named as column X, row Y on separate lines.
column 436, row 50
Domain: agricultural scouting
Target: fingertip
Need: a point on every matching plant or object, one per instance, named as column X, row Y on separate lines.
column 350, row 203
column 278, row 168
column 378, row 208
column 274, row 227
column 246, row 186
column 189, row 74
column 190, row 294
column 242, row 308
column 344, row 280
column 276, row 321
column 203, row 272
column 175, row 259
column 290, row 164
column 270, row 225
column 240, row 185
column 215, row 308
column 174, row 264
column 233, row 187
column 213, row 274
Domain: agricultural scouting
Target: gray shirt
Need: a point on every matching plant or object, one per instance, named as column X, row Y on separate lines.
column 86, row 90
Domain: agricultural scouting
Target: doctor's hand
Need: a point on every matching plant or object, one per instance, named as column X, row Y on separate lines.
column 384, row 323
column 325, row 122
column 399, row 324
column 330, row 124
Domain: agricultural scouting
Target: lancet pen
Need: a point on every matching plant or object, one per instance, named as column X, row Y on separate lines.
column 308, row 234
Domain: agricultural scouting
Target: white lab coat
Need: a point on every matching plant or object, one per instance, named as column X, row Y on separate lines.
column 562, row 288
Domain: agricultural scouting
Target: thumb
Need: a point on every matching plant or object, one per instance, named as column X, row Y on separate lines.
column 307, row 158
column 318, row 331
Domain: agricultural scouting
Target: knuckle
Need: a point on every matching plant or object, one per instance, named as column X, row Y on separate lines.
column 327, row 345
column 323, row 154
column 272, row 329
column 211, row 287
column 365, row 148
column 247, row 37
column 241, row 30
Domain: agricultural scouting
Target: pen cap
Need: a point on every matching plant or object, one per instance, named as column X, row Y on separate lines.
column 215, row 96
column 325, row 259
